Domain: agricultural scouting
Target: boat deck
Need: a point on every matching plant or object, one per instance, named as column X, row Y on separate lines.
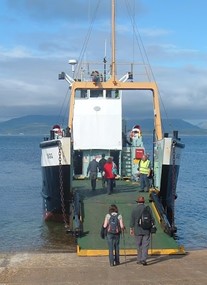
column 95, row 207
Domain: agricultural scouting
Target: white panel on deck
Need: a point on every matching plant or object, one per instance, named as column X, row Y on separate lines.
column 97, row 124
column 50, row 155
column 167, row 151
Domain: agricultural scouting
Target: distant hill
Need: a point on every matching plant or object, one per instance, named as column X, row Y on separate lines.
column 31, row 125
column 203, row 125
column 41, row 125
column 168, row 125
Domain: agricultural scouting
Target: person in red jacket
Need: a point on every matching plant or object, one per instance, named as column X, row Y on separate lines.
column 110, row 170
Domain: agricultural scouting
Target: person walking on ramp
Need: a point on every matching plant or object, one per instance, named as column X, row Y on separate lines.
column 110, row 170
column 93, row 169
column 141, row 224
column 114, row 224
column 101, row 164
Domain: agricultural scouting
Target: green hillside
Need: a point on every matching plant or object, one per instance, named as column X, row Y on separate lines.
column 31, row 125
column 41, row 125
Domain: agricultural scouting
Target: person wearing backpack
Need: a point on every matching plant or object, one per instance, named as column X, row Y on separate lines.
column 114, row 223
column 141, row 224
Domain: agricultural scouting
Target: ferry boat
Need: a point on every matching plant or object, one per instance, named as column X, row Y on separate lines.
column 96, row 126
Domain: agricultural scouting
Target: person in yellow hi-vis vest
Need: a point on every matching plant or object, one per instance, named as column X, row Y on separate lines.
column 144, row 172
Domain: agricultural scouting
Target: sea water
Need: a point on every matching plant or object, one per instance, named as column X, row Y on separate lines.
column 23, row 229
column 21, row 223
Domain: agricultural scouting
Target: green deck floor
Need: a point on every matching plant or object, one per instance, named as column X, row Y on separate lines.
column 95, row 207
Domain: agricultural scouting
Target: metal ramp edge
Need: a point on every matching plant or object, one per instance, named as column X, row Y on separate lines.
column 130, row 252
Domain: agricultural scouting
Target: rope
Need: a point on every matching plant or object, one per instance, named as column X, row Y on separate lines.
column 86, row 40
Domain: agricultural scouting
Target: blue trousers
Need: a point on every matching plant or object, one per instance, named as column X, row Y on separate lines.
column 110, row 185
column 144, row 182
column 113, row 244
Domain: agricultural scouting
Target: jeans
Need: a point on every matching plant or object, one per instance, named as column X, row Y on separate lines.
column 110, row 185
column 144, row 182
column 113, row 244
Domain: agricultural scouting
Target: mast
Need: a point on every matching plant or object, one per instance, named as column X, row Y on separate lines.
column 104, row 61
column 114, row 83
column 113, row 40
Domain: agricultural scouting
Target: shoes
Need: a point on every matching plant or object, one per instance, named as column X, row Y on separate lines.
column 111, row 264
column 141, row 190
column 144, row 262
column 117, row 263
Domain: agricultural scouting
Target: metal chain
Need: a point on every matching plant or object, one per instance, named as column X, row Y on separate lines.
column 61, row 185
column 173, row 182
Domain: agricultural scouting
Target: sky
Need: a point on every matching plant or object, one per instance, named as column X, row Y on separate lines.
column 38, row 37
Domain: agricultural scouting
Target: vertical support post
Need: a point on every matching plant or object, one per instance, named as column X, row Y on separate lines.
column 113, row 41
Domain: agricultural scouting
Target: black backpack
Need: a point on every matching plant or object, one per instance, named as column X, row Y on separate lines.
column 114, row 225
column 145, row 221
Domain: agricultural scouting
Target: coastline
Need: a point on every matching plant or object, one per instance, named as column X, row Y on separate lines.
column 68, row 268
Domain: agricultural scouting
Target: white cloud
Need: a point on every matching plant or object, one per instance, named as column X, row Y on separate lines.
column 154, row 32
column 15, row 52
column 48, row 33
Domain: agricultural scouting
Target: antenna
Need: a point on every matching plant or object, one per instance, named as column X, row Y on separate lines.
column 73, row 62
column 113, row 41
column 105, row 61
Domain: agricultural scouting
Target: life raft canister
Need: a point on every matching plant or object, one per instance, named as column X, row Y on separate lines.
column 135, row 132
column 57, row 131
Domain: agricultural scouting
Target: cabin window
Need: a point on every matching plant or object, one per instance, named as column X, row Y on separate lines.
column 96, row 93
column 84, row 93
column 108, row 93
column 81, row 93
column 114, row 94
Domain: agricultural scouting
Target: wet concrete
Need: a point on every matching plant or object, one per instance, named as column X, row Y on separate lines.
column 68, row 268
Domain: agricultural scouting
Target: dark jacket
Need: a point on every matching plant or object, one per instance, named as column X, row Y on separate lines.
column 101, row 163
column 93, row 167
column 135, row 216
